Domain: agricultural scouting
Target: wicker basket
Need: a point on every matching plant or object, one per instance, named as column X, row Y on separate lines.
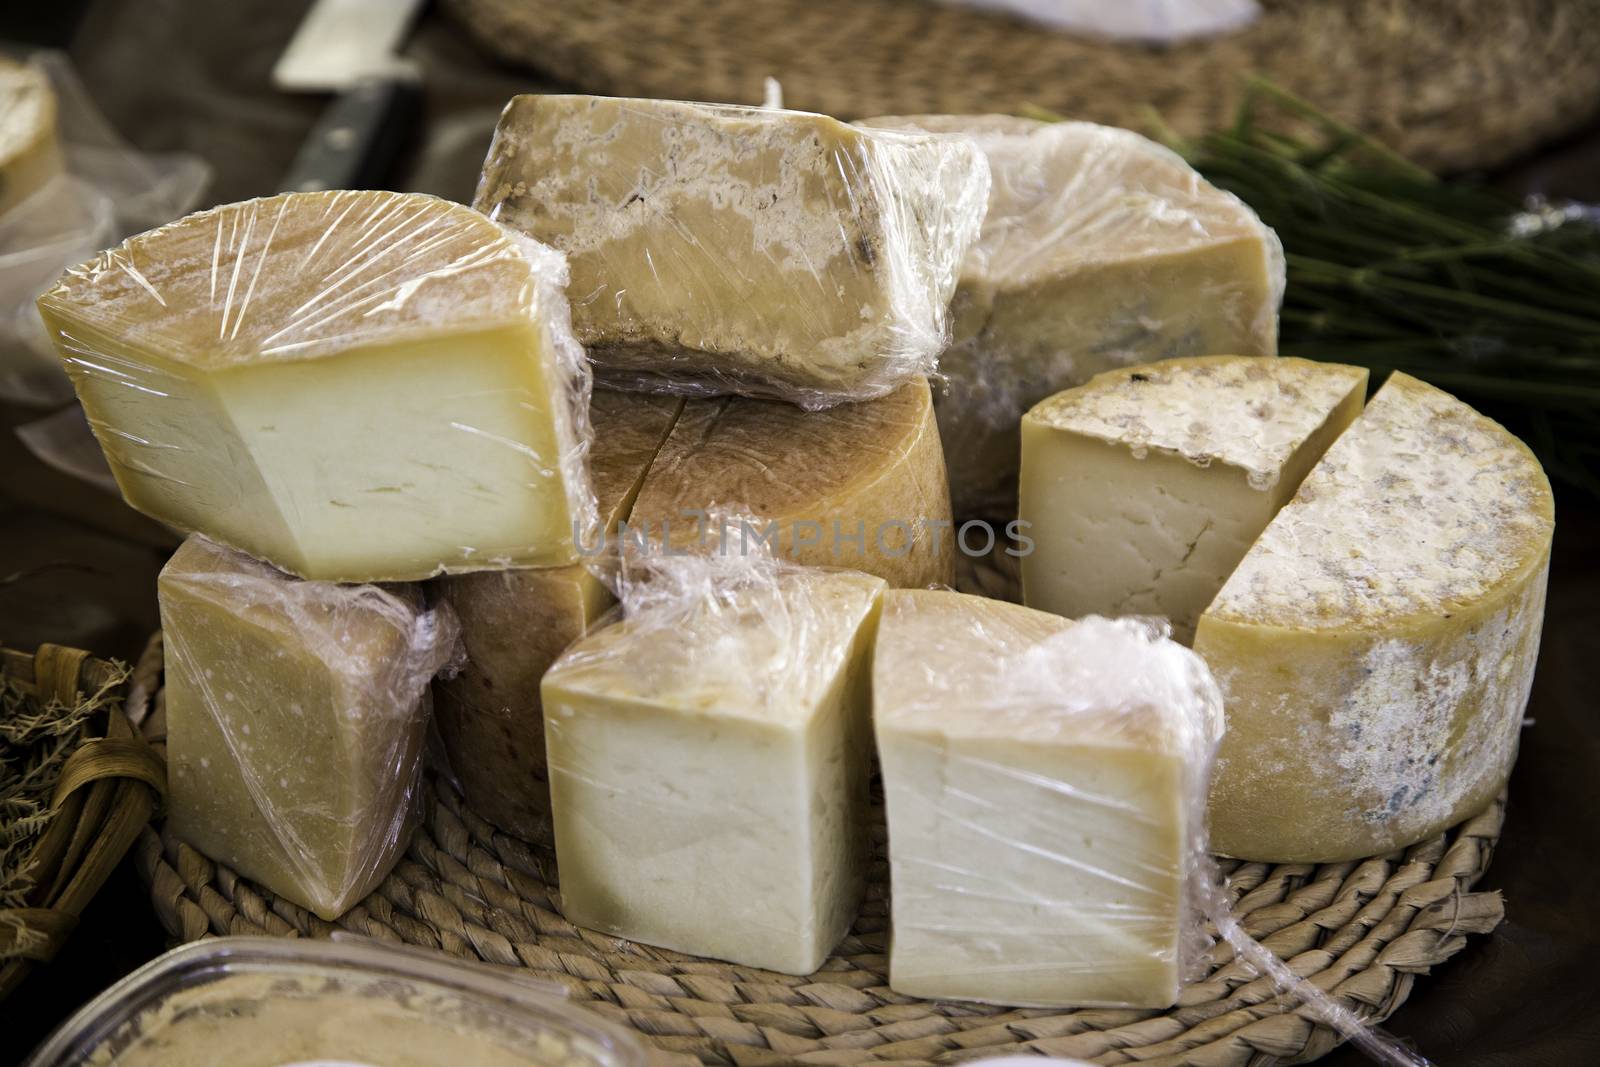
column 104, row 796
column 1362, row 930
column 1451, row 85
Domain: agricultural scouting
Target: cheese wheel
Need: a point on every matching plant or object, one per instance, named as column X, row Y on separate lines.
column 30, row 153
column 1377, row 644
column 859, row 485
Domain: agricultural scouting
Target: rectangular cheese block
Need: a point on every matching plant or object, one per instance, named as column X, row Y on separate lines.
column 296, row 713
column 735, row 249
column 514, row 623
column 1377, row 644
column 1045, row 785
column 1101, row 249
column 708, row 767
column 859, row 485
column 1144, row 488
column 352, row 386
column 30, row 152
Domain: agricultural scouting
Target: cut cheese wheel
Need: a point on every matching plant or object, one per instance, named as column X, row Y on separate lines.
column 859, row 485
column 353, row 386
column 30, row 153
column 1045, row 785
column 1144, row 488
column 515, row 623
column 1377, row 644
column 734, row 249
column 1101, row 249
column 296, row 714
column 708, row 768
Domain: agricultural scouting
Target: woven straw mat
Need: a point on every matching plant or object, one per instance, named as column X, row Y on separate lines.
column 1363, row 930
column 1454, row 84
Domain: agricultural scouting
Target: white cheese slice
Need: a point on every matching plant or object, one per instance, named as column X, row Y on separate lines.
column 1144, row 488
column 30, row 153
column 1377, row 644
column 354, row 386
column 708, row 769
column 735, row 249
column 296, row 713
column 1045, row 784
column 1100, row 249
column 859, row 485
column 514, row 623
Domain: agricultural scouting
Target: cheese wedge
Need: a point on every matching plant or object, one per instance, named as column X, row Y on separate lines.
column 1101, row 249
column 860, row 485
column 515, row 623
column 30, row 153
column 1377, row 644
column 1045, row 785
column 353, row 386
column 1144, row 488
column 296, row 713
column 708, row 769
column 736, row 249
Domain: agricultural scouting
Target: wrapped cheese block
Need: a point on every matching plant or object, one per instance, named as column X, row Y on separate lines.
column 709, row 758
column 1377, row 644
column 295, row 720
column 515, row 623
column 860, row 485
column 30, row 153
column 352, row 385
column 1101, row 249
column 1144, row 488
column 1045, row 784
column 733, row 249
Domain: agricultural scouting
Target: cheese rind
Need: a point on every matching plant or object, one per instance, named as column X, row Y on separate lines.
column 1045, row 784
column 296, row 713
column 708, row 768
column 30, row 153
column 515, row 623
column 1101, row 249
column 1144, row 488
column 1377, row 644
column 733, row 249
column 353, row 386
column 860, row 485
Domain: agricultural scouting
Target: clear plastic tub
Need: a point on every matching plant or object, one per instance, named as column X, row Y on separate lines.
column 276, row 1002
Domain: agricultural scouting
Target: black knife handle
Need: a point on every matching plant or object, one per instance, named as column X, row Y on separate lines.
column 355, row 142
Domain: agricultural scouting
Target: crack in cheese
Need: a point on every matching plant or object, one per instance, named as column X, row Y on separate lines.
column 515, row 624
column 708, row 770
column 30, row 153
column 733, row 249
column 295, row 721
column 1144, row 488
column 872, row 469
column 1101, row 249
column 1377, row 644
column 1045, row 788
column 354, row 386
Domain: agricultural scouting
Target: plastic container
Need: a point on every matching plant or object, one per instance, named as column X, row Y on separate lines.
column 275, row 1002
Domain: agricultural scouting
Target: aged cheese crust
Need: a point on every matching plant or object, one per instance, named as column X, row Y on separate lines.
column 1377, row 645
column 1100, row 249
column 731, row 249
column 873, row 467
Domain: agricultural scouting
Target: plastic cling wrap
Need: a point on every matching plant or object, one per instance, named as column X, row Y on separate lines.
column 1101, row 249
column 355, row 386
column 296, row 712
column 1045, row 784
column 722, row 249
column 708, row 759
